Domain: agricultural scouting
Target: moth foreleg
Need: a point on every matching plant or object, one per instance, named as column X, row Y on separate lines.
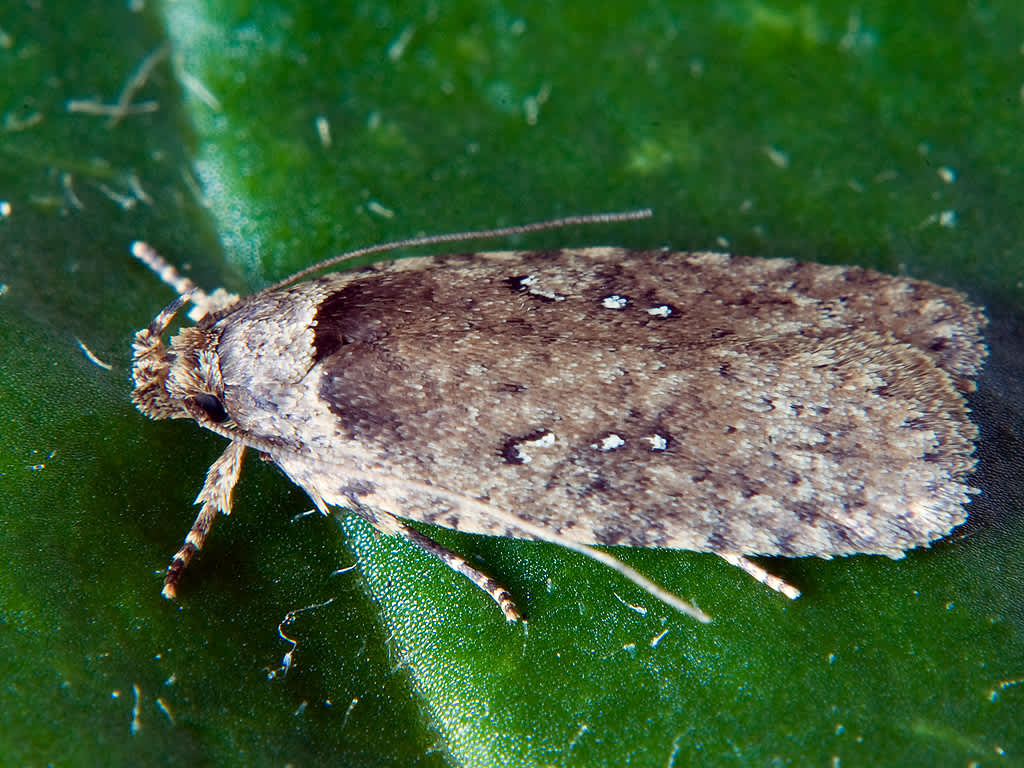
column 203, row 303
column 759, row 573
column 215, row 497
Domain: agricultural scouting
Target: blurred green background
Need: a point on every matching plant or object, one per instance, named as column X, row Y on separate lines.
column 888, row 136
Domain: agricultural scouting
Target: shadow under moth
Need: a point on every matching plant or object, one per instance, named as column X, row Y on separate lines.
column 590, row 396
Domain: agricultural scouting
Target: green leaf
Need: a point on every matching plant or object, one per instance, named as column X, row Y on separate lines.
column 888, row 138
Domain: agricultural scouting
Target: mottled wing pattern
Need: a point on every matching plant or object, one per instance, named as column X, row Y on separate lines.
column 697, row 401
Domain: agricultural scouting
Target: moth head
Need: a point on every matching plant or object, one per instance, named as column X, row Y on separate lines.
column 182, row 381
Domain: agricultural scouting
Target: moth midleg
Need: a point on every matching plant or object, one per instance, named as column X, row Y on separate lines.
column 391, row 526
column 457, row 563
column 215, row 497
column 759, row 573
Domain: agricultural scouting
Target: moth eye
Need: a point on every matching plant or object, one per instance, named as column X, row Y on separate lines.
column 211, row 406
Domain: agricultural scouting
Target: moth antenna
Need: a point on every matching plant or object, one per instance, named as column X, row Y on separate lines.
column 481, row 234
column 655, row 590
column 203, row 303
column 156, row 328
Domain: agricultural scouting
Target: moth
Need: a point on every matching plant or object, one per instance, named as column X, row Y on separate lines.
column 591, row 396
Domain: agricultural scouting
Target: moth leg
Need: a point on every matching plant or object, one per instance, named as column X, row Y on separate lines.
column 215, row 497
column 392, row 526
column 457, row 563
column 760, row 574
column 203, row 303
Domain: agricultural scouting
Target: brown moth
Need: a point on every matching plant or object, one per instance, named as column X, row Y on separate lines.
column 593, row 396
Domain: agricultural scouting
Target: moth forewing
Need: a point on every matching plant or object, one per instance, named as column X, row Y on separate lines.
column 594, row 396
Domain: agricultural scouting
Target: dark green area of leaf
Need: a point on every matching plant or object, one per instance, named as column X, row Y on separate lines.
column 786, row 129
